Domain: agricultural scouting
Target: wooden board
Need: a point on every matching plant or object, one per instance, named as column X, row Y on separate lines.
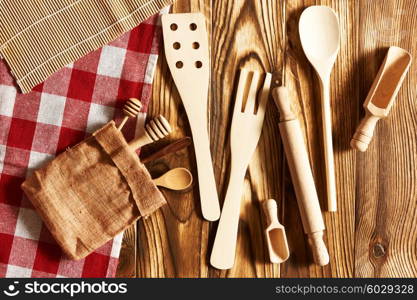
column 374, row 231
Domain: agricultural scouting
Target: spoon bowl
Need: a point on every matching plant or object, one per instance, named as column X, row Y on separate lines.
column 320, row 37
column 178, row 179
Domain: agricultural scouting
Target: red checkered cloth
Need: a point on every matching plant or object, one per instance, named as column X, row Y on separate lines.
column 59, row 113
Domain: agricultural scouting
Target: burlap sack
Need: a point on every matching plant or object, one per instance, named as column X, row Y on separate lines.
column 92, row 192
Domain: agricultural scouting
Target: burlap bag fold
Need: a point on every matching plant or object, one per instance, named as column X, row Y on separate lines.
column 92, row 192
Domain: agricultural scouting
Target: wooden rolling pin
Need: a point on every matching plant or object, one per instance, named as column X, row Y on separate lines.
column 302, row 177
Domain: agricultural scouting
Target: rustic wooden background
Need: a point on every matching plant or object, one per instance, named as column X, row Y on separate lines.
column 374, row 232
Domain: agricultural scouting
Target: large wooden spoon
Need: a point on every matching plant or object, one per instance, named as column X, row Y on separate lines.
column 320, row 36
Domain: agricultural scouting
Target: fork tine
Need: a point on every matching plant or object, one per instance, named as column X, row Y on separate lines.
column 253, row 90
column 265, row 93
column 243, row 78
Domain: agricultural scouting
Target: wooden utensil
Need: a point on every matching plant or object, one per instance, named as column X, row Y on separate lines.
column 156, row 129
column 301, row 175
column 320, row 39
column 131, row 109
column 178, row 179
column 186, row 50
column 171, row 148
column 382, row 95
column 275, row 233
column 246, row 124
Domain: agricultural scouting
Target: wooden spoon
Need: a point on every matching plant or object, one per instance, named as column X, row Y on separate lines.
column 320, row 39
column 178, row 179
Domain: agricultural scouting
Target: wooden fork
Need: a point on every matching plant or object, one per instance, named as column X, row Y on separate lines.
column 244, row 136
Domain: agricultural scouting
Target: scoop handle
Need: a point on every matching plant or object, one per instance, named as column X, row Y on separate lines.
column 364, row 132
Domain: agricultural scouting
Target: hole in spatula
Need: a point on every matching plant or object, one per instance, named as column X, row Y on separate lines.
column 174, row 26
column 177, row 45
column 179, row 64
column 196, row 45
column 193, row 26
column 198, row 64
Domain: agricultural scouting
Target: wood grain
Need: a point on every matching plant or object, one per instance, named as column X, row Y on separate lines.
column 374, row 231
column 386, row 190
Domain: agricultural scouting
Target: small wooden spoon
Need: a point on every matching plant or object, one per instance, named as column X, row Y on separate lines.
column 178, row 179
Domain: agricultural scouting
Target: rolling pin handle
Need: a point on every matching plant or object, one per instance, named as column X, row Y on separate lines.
column 318, row 247
column 280, row 95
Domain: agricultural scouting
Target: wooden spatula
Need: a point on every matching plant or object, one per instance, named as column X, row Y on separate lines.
column 186, row 50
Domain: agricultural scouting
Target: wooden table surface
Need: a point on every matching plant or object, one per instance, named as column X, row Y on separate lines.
column 374, row 232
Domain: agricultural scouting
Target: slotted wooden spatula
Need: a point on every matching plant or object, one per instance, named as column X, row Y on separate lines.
column 186, row 50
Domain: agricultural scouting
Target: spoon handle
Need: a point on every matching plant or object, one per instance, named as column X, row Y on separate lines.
column 328, row 145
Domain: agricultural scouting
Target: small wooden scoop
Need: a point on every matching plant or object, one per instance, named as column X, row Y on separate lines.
column 275, row 234
column 131, row 110
column 381, row 97
column 178, row 179
column 156, row 129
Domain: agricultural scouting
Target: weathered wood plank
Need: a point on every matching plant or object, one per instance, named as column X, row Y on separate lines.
column 386, row 190
column 173, row 242
column 246, row 35
column 304, row 90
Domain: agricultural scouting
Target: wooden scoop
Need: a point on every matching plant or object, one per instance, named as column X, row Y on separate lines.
column 131, row 109
column 178, row 179
column 156, row 129
column 382, row 95
column 275, row 234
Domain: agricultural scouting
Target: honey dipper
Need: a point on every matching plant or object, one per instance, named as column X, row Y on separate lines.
column 156, row 129
column 131, row 109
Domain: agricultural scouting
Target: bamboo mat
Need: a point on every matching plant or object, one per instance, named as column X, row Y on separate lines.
column 37, row 38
